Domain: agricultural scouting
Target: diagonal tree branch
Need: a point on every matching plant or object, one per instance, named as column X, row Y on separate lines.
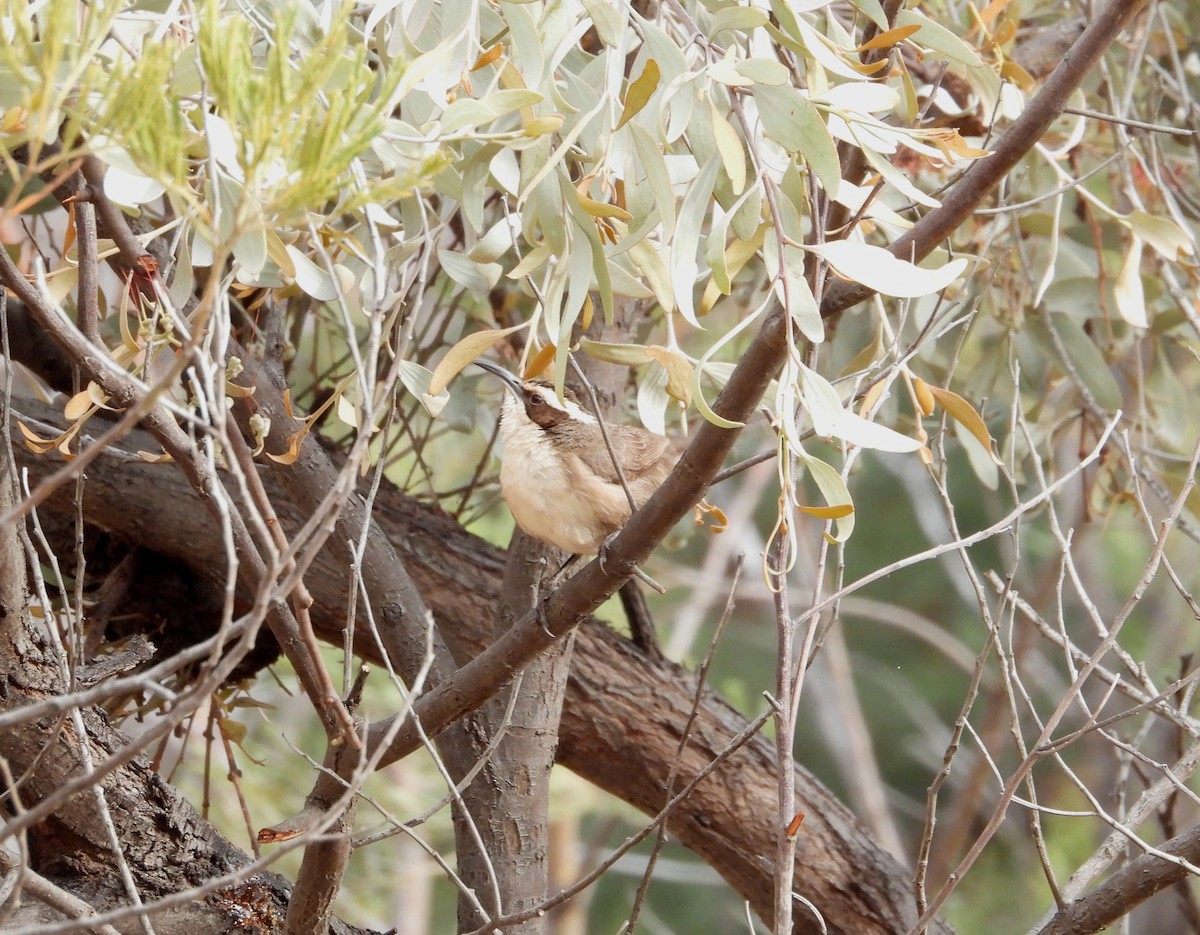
column 1130, row 886
column 624, row 708
column 481, row 678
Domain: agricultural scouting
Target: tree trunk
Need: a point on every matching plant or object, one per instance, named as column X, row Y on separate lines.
column 624, row 708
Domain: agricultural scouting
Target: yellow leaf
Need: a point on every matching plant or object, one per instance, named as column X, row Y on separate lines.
column 600, row 209
column 679, row 372
column 949, row 142
column 868, row 69
column 541, row 360
column 966, row 416
column 154, row 458
column 885, row 40
column 489, row 56
column 77, row 406
column 31, row 435
column 827, row 512
column 293, row 452
column 924, row 396
column 639, row 92
column 988, row 14
column 69, row 234
column 463, row 353
column 13, row 120
column 1017, row 75
column 237, row 391
column 720, row 522
column 233, row 730
column 870, row 398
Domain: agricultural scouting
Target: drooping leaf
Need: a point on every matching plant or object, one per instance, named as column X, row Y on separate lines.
column 641, row 89
column 964, row 414
column 729, row 145
column 833, row 488
column 652, row 399
column 1167, row 238
column 462, row 354
column 792, row 121
column 310, row 277
column 472, row 276
column 1128, row 291
column 925, row 398
column 678, row 370
column 418, row 380
column 879, row 270
column 889, row 38
column 797, row 297
column 684, row 243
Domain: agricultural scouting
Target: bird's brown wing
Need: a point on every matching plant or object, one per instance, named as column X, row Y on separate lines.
column 638, row 450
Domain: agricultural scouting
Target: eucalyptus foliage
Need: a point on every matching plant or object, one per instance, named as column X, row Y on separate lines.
column 418, row 180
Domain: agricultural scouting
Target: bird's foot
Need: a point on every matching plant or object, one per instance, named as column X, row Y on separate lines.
column 602, row 553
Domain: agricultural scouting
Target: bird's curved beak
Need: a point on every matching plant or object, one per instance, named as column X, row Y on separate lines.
column 513, row 383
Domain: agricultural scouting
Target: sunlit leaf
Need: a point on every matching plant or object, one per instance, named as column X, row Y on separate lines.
column 310, row 277
column 729, row 145
column 831, row 419
column 864, row 97
column 885, row 40
column 652, row 399
column 459, row 356
column 964, row 414
column 641, row 89
column 684, row 263
column 833, row 488
column 472, row 276
column 741, row 18
column 879, row 270
column 925, row 398
column 766, row 71
column 678, row 369
column 1166, row 237
column 416, row 380
column 1128, row 291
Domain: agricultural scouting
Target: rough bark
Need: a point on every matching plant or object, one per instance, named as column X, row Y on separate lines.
column 168, row 846
column 624, row 708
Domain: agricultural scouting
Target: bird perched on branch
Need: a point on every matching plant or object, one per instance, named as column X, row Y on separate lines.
column 557, row 474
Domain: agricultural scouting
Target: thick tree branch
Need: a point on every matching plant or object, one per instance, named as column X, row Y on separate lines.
column 124, row 392
column 1130, row 886
column 624, row 710
column 477, row 681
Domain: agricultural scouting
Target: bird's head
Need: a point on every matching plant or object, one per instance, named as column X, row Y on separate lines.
column 536, row 401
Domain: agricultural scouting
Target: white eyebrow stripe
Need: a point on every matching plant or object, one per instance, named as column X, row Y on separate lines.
column 570, row 408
